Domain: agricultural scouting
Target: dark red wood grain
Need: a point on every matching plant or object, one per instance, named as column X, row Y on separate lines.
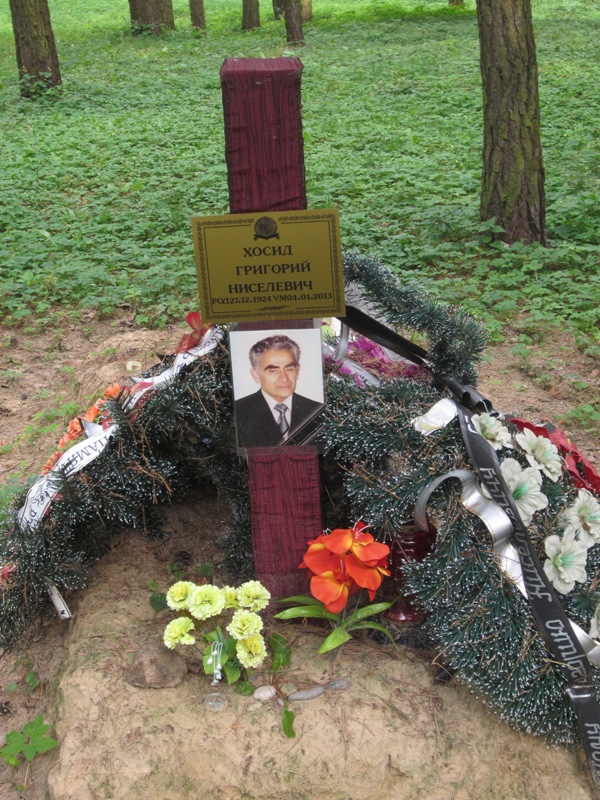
column 265, row 166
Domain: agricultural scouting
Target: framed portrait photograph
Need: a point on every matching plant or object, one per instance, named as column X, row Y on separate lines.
column 277, row 386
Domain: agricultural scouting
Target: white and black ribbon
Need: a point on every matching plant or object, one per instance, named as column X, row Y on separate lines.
column 40, row 496
column 555, row 628
column 553, row 624
column 500, row 528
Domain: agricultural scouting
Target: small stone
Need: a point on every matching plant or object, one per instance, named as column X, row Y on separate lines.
column 339, row 684
column 307, row 694
column 281, row 702
column 155, row 667
column 215, row 701
column 264, row 693
column 288, row 688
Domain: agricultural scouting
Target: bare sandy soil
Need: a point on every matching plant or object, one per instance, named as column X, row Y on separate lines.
column 392, row 733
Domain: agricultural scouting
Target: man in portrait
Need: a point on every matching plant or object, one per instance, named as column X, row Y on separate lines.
column 269, row 416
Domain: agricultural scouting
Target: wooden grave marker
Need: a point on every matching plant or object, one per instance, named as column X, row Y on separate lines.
column 265, row 168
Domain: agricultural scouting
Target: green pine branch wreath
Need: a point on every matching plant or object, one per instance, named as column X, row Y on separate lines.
column 376, row 464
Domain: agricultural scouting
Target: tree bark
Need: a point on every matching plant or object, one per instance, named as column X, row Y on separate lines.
column 37, row 59
column 306, row 10
column 151, row 15
column 512, row 187
column 250, row 15
column 293, row 21
column 278, row 9
column 197, row 13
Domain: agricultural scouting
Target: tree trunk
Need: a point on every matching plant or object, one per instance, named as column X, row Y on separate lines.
column 250, row 15
column 293, row 21
column 151, row 15
column 37, row 59
column 197, row 13
column 306, row 10
column 512, row 187
column 278, row 9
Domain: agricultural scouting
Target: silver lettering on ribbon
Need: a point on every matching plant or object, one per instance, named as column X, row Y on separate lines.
column 592, row 734
column 515, row 562
column 535, row 582
column 562, row 638
column 82, row 454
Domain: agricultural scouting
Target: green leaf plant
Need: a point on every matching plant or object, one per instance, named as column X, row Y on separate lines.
column 28, row 742
column 343, row 623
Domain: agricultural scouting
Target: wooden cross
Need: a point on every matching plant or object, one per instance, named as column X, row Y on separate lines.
column 265, row 168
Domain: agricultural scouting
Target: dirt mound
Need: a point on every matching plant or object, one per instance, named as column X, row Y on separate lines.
column 391, row 734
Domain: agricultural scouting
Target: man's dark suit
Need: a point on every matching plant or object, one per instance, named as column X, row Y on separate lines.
column 256, row 425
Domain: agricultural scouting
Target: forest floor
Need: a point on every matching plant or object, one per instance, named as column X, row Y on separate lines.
column 393, row 733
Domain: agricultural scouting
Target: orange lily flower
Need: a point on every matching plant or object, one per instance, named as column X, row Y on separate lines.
column 366, row 576
column 318, row 558
column 353, row 540
column 333, row 588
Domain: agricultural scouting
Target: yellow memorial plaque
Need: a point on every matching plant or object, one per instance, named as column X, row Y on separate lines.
column 264, row 266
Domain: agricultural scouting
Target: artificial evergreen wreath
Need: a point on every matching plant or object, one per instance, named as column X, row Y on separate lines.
column 174, row 429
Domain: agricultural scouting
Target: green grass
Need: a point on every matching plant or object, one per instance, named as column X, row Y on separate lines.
column 98, row 183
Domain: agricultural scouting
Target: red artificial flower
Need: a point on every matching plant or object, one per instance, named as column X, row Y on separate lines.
column 92, row 412
column 189, row 340
column 581, row 470
column 112, row 392
column 5, row 573
column 51, row 462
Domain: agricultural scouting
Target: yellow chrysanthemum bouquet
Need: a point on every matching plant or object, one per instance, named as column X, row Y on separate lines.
column 230, row 655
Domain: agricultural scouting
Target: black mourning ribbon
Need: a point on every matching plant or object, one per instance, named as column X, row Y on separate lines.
column 550, row 617
column 547, row 611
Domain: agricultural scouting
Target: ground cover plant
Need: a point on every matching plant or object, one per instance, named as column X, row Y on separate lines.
column 99, row 180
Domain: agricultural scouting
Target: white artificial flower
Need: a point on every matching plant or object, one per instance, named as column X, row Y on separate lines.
column 583, row 518
column 595, row 624
column 566, row 562
column 492, row 430
column 541, row 453
column 524, row 485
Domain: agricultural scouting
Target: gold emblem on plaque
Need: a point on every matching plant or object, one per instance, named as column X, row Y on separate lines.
column 265, row 228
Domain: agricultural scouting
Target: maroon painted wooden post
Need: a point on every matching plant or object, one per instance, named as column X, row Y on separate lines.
column 265, row 168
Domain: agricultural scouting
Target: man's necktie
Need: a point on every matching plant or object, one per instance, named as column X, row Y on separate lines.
column 282, row 421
